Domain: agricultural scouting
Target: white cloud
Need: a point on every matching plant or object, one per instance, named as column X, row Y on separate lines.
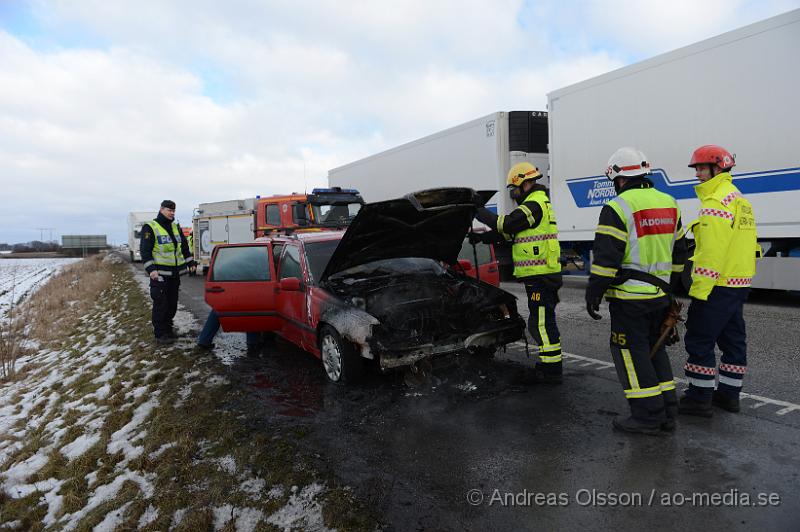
column 198, row 100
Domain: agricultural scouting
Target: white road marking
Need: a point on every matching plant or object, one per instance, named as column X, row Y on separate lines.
column 786, row 407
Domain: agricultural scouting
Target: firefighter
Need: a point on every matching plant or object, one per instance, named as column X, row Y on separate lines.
column 638, row 246
column 166, row 256
column 724, row 265
column 531, row 227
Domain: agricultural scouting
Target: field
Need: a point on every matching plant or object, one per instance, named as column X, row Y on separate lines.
column 21, row 277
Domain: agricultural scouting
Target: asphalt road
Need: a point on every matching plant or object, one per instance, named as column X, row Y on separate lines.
column 473, row 449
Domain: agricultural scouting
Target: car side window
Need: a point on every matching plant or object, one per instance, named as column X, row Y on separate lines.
column 273, row 215
column 276, row 255
column 241, row 263
column 290, row 264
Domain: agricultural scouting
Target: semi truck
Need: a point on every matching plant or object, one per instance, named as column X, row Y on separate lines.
column 737, row 90
column 136, row 220
column 244, row 220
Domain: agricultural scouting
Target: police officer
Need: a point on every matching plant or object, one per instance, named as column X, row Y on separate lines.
column 166, row 256
column 724, row 265
column 637, row 246
column 532, row 229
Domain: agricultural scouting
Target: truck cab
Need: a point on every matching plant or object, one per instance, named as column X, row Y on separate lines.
column 324, row 208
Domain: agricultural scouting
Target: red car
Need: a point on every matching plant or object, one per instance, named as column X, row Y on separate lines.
column 378, row 292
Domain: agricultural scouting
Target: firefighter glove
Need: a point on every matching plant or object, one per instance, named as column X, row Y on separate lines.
column 593, row 306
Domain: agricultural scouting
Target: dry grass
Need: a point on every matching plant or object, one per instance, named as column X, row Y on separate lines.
column 57, row 307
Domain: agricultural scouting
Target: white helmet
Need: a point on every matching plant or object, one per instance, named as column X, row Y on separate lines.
column 627, row 162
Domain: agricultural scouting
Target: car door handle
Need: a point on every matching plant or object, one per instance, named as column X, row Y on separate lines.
column 492, row 269
column 215, row 289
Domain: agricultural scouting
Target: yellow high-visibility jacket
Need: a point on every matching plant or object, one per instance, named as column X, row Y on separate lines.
column 725, row 238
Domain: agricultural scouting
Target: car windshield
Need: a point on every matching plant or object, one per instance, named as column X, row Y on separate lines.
column 336, row 214
column 318, row 254
column 391, row 267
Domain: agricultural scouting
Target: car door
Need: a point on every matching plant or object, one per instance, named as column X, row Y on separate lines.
column 487, row 263
column 240, row 287
column 291, row 304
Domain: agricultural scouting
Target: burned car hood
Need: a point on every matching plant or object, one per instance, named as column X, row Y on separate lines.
column 429, row 224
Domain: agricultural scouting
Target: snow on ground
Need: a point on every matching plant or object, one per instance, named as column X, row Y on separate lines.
column 19, row 278
column 43, row 401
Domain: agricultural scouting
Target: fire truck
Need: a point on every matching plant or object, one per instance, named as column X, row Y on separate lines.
column 244, row 220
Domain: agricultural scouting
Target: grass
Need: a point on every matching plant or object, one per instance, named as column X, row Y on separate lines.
column 92, row 301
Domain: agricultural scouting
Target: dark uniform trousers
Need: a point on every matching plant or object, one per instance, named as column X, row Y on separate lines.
column 720, row 321
column 648, row 382
column 542, row 301
column 165, row 303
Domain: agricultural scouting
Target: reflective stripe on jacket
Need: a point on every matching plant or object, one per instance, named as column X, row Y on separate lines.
column 651, row 220
column 725, row 238
column 535, row 251
column 165, row 250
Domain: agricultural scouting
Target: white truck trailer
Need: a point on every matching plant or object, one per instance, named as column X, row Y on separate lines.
column 221, row 222
column 135, row 222
column 477, row 154
column 737, row 90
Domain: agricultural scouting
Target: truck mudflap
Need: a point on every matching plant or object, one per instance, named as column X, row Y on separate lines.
column 498, row 337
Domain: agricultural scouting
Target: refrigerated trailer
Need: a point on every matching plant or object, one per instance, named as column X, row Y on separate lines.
column 738, row 90
column 476, row 154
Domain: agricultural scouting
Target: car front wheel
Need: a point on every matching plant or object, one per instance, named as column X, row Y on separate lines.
column 341, row 361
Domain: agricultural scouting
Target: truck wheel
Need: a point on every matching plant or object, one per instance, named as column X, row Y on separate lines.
column 131, row 257
column 342, row 363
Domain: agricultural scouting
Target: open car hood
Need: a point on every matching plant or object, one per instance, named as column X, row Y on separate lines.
column 430, row 223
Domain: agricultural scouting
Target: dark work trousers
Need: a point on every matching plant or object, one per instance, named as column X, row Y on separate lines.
column 542, row 301
column 648, row 382
column 165, row 303
column 720, row 321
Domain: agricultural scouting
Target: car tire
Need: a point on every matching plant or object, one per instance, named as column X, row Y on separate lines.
column 131, row 252
column 340, row 360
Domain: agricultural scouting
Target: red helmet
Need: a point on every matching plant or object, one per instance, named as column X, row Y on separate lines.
column 713, row 154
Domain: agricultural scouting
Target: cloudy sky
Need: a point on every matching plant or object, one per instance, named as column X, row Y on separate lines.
column 109, row 106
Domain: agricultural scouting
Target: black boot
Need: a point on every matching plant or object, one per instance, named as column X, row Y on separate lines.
column 722, row 400
column 549, row 373
column 635, row 426
column 672, row 414
column 671, row 410
column 693, row 407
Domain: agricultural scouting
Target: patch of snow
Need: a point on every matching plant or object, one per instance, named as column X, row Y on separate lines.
column 227, row 464
column 248, row 519
column 177, row 517
column 81, row 444
column 107, row 492
column 120, row 440
column 136, row 393
column 20, row 472
column 158, row 452
column 301, row 510
column 112, row 519
column 149, row 515
column 254, row 487
column 222, row 515
column 102, row 392
column 276, row 492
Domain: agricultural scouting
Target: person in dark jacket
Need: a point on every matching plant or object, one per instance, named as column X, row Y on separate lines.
column 166, row 256
column 639, row 245
column 532, row 229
